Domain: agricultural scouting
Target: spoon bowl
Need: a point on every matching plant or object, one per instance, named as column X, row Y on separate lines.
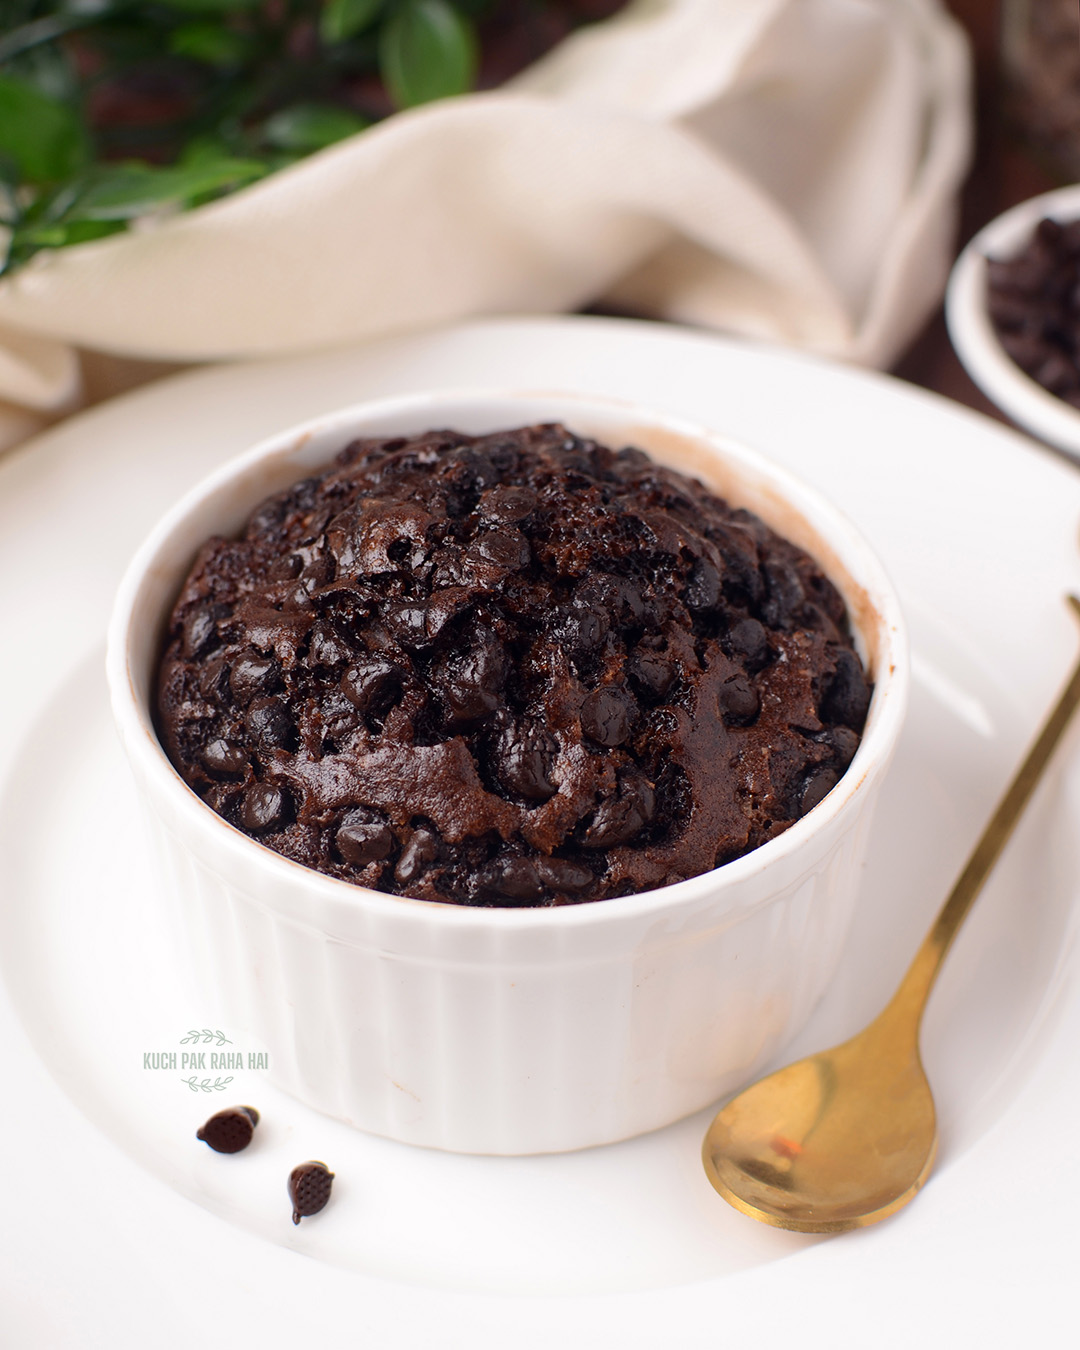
column 835, row 1141
column 846, row 1137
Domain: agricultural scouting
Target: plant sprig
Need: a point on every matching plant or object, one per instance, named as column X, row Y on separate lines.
column 114, row 110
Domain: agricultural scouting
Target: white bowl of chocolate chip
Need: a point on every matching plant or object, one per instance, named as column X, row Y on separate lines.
column 1013, row 313
column 511, row 788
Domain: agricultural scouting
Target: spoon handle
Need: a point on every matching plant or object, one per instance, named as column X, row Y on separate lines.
column 910, row 998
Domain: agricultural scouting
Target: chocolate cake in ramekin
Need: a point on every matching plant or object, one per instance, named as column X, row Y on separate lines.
column 524, row 748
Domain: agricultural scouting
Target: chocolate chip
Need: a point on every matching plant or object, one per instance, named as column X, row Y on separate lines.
column 608, row 715
column 223, row 759
column 504, row 548
column 743, row 582
column 739, row 701
column 618, row 819
column 230, row 1130
column 1007, row 310
column 270, row 724
column 507, row 503
column 785, row 593
column 576, row 459
column 618, row 597
column 319, row 572
column 652, row 674
column 263, row 808
column 512, row 880
column 582, row 628
column 747, row 638
column 1049, row 232
column 309, row 1189
column 339, row 719
column 214, row 679
column 847, row 694
column 287, row 568
column 199, row 630
column 522, row 761
column 702, row 591
column 364, row 837
column 252, row 673
column 268, row 516
column 408, row 623
column 471, row 682
column 372, row 685
column 1032, row 302
column 349, row 616
column 301, row 496
column 327, row 647
column 421, row 850
column 633, row 459
column 474, row 467
column 1056, row 373
column 1028, row 350
column 844, row 742
column 560, row 874
column 315, row 523
column 817, row 788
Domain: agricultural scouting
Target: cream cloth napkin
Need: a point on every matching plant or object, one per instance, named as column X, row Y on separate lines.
column 781, row 168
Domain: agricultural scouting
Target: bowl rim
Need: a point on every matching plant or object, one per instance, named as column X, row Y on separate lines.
column 887, row 709
column 972, row 333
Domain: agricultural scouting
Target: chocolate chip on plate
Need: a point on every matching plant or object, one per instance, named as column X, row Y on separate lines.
column 309, row 1188
column 230, row 1130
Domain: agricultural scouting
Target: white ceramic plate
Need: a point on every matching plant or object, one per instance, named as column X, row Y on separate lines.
column 121, row 1230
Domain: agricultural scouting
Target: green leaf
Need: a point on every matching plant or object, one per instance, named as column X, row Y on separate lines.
column 26, row 240
column 427, row 50
column 42, row 136
column 82, row 231
column 343, row 19
column 129, row 190
column 310, row 126
column 73, row 232
column 211, row 43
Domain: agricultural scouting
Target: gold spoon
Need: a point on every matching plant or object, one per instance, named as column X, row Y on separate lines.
column 846, row 1137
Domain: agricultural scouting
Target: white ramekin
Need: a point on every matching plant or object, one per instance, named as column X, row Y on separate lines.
column 510, row 1030
column 972, row 332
